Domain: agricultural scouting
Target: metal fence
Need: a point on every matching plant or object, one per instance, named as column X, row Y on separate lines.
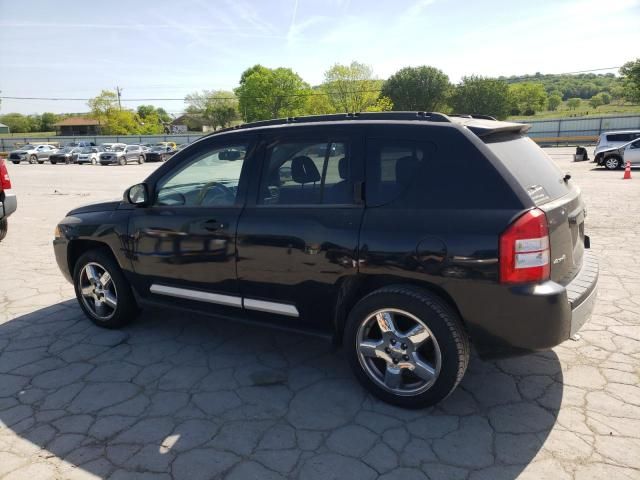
column 585, row 129
column 564, row 130
column 10, row 143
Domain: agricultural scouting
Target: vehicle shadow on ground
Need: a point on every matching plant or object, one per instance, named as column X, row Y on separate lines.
column 182, row 396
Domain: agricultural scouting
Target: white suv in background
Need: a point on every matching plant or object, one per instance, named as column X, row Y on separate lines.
column 618, row 138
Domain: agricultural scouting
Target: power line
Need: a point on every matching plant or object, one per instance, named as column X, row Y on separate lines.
column 306, row 94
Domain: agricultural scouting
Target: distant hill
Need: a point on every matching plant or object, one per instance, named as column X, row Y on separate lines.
column 582, row 85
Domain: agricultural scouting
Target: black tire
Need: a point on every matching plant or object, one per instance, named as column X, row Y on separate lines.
column 446, row 328
column 33, row 159
column 612, row 163
column 4, row 227
column 94, row 161
column 53, row 162
column 141, row 159
column 16, row 163
column 122, row 161
column 126, row 309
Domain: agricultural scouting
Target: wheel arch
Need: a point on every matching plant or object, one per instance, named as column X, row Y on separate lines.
column 77, row 248
column 353, row 289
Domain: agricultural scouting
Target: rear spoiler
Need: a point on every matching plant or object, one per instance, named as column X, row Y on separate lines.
column 487, row 129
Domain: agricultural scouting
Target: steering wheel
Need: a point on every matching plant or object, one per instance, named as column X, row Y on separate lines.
column 226, row 191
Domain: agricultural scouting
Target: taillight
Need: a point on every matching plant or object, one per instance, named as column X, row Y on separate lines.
column 524, row 249
column 5, row 181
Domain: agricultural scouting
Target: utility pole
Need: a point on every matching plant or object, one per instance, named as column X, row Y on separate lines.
column 119, row 92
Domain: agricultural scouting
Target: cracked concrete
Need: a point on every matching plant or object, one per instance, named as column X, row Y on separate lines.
column 177, row 396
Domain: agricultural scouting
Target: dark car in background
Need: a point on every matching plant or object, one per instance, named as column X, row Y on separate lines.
column 347, row 226
column 66, row 155
column 122, row 154
column 8, row 201
column 159, row 153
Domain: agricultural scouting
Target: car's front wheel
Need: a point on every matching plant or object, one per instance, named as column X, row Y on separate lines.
column 141, row 159
column 406, row 346
column 613, row 163
column 103, row 292
column 94, row 161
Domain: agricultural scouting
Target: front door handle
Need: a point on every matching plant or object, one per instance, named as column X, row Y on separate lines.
column 213, row 225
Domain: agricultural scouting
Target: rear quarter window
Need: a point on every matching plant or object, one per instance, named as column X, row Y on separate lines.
column 531, row 166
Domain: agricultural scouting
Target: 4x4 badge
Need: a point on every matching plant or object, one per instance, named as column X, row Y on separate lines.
column 560, row 259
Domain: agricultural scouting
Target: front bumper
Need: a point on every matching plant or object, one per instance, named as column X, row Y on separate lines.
column 8, row 203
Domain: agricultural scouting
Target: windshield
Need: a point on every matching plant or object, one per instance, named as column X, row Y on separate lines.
column 66, row 150
column 87, row 149
column 29, row 147
column 159, row 148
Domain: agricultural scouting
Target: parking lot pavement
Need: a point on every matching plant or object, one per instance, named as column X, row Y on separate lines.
column 178, row 396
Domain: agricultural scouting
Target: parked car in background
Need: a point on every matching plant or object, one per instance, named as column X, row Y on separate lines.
column 108, row 147
column 160, row 153
column 123, row 155
column 373, row 247
column 608, row 140
column 66, row 155
column 32, row 153
column 89, row 155
column 166, row 144
column 617, row 157
column 81, row 143
column 8, row 201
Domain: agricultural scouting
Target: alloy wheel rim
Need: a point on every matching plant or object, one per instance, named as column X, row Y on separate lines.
column 398, row 352
column 98, row 291
column 612, row 163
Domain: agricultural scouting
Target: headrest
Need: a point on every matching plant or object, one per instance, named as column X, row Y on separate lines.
column 406, row 168
column 303, row 170
column 343, row 168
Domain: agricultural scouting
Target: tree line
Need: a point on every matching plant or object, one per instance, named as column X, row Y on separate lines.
column 266, row 93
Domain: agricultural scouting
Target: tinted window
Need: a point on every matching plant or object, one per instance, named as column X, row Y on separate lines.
column 306, row 173
column 392, row 166
column 622, row 137
column 211, row 178
column 531, row 166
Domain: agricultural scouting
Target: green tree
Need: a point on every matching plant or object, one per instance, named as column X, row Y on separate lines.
column 573, row 103
column 475, row 94
column 47, row 119
column 630, row 72
column 218, row 108
column 16, row 122
column 351, row 88
column 317, row 102
column 417, row 88
column 160, row 114
column 596, row 101
column 554, row 101
column 266, row 93
column 528, row 98
column 617, row 93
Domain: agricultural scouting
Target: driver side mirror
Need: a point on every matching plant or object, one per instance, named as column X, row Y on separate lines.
column 137, row 195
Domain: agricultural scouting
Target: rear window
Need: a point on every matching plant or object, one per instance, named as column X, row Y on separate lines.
column 531, row 167
column 622, row 137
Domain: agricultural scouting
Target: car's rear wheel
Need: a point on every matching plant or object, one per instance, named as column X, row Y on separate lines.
column 33, row 159
column 613, row 163
column 406, row 346
column 141, row 159
column 4, row 227
column 53, row 162
column 102, row 291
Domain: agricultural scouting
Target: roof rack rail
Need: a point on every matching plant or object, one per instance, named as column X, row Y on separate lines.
column 335, row 117
column 472, row 115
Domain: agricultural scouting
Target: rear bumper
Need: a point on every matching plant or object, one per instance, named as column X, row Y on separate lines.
column 8, row 203
column 529, row 318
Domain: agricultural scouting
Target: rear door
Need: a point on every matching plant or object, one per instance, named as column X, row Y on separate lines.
column 560, row 199
column 298, row 235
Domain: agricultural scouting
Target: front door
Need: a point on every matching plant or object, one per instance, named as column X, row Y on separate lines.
column 298, row 236
column 184, row 244
column 632, row 153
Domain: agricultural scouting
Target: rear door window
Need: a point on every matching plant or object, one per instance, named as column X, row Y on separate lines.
column 531, row 167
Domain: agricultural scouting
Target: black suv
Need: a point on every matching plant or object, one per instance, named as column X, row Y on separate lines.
column 404, row 236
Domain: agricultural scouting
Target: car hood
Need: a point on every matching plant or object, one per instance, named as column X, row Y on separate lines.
column 96, row 207
column 23, row 151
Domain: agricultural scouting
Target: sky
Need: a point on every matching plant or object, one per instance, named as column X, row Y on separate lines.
column 167, row 49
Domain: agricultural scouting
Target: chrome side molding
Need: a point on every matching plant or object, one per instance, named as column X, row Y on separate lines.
column 227, row 300
column 197, row 295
